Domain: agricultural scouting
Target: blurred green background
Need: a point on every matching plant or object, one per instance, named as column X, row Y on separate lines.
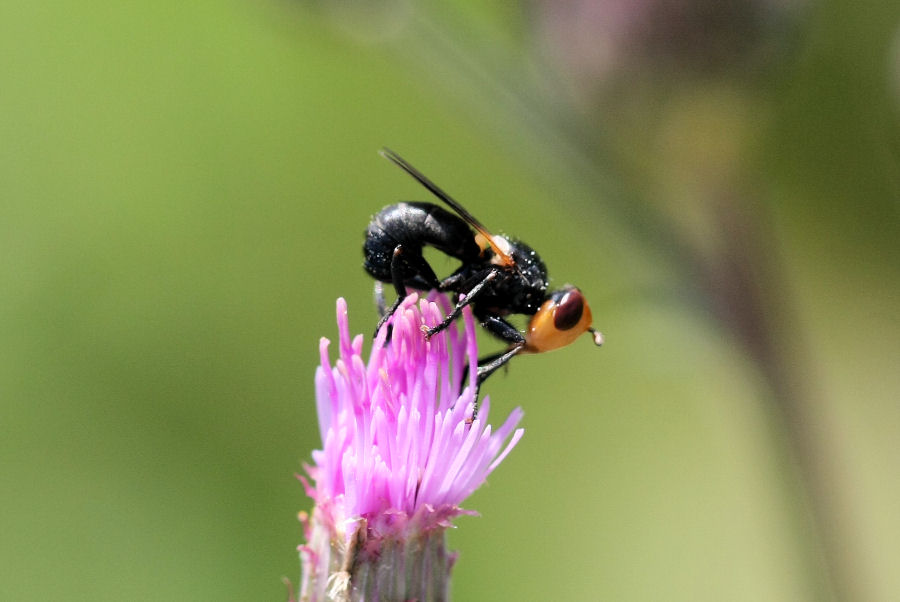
column 184, row 188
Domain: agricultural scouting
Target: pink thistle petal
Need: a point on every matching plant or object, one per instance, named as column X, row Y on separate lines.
column 502, row 455
column 399, row 447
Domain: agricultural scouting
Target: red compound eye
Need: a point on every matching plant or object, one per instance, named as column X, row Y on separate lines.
column 568, row 310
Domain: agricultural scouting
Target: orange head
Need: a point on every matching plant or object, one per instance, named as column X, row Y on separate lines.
column 562, row 318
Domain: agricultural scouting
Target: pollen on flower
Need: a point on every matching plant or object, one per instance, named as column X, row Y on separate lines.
column 401, row 449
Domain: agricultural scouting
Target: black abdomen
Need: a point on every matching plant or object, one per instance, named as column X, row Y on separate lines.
column 414, row 225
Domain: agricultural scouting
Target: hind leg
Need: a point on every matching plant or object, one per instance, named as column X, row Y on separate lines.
column 399, row 287
column 380, row 303
column 407, row 267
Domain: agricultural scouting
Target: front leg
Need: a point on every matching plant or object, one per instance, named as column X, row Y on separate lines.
column 489, row 364
column 469, row 298
column 505, row 331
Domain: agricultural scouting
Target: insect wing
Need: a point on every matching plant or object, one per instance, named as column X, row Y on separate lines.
column 387, row 153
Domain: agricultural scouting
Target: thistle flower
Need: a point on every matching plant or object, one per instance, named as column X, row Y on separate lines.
column 402, row 448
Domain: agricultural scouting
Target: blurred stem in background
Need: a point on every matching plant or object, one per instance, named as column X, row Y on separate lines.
column 659, row 108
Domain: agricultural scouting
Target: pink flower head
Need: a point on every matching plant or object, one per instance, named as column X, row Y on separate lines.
column 400, row 446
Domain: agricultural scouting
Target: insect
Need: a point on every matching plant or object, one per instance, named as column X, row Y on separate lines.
column 498, row 276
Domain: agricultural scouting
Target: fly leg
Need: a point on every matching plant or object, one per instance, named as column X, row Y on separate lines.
column 407, row 267
column 507, row 332
column 380, row 303
column 469, row 298
column 491, row 363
